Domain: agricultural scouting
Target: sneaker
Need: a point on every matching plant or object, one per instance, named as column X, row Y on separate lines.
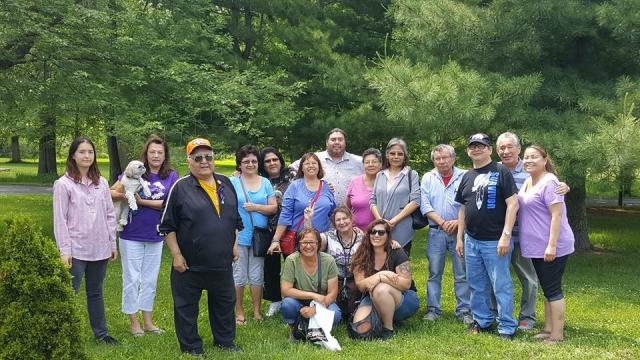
column 525, row 325
column 506, row 337
column 230, row 348
column 107, row 340
column 274, row 308
column 430, row 316
column 195, row 352
column 474, row 328
column 466, row 318
column 386, row 334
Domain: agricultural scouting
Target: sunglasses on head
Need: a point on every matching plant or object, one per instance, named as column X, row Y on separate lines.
column 378, row 232
column 199, row 158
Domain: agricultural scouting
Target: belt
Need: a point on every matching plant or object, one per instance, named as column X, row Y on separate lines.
column 435, row 227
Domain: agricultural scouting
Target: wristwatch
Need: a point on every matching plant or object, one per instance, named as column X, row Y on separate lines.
column 508, row 233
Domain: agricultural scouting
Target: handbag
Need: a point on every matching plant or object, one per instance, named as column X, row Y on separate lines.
column 418, row 221
column 260, row 237
column 289, row 239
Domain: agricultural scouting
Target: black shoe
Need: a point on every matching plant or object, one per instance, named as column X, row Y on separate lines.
column 475, row 328
column 506, row 337
column 107, row 340
column 230, row 348
column 386, row 334
column 195, row 352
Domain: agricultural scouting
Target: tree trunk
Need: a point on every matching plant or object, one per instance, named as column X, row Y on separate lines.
column 115, row 166
column 15, row 149
column 620, row 202
column 577, row 213
column 47, row 146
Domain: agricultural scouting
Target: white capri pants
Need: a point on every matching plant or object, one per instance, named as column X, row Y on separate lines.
column 248, row 269
column 140, row 267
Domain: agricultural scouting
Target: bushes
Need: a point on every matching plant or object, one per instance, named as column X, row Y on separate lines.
column 37, row 315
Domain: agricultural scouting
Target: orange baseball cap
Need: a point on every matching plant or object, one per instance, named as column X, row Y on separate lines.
column 196, row 143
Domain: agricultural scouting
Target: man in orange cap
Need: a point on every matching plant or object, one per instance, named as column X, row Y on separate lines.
column 199, row 222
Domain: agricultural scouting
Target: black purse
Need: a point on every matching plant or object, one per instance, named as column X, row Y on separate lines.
column 418, row 221
column 261, row 237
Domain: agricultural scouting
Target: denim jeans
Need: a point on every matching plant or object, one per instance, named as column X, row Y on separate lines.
column 486, row 273
column 290, row 310
column 94, row 273
column 438, row 244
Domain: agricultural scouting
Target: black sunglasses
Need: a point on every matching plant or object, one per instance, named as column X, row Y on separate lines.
column 378, row 232
column 198, row 158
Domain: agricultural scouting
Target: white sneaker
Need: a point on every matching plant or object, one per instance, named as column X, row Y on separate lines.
column 274, row 308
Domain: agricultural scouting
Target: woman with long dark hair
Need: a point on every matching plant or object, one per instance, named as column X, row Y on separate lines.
column 140, row 244
column 385, row 274
column 273, row 167
column 84, row 226
column 545, row 236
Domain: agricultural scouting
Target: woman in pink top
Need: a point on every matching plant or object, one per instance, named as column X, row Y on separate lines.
column 361, row 187
column 84, row 227
column 545, row 237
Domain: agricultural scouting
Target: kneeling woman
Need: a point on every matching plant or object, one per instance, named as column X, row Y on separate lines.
column 385, row 274
column 299, row 282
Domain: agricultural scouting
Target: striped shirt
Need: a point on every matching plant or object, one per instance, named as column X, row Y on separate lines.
column 84, row 223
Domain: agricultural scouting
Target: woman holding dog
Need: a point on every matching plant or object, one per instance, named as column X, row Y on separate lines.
column 84, row 227
column 385, row 274
column 256, row 201
column 140, row 244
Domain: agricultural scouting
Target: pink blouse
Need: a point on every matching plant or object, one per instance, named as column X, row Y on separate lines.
column 84, row 223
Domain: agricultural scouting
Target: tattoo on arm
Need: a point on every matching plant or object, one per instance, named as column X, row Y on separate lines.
column 404, row 268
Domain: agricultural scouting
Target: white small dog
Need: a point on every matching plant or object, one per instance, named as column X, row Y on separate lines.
column 132, row 182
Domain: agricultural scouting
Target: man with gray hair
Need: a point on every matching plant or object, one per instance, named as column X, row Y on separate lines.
column 508, row 147
column 438, row 191
column 338, row 165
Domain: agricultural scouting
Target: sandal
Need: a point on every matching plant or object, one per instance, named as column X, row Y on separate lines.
column 241, row 321
column 552, row 341
column 137, row 333
column 542, row 335
column 156, row 331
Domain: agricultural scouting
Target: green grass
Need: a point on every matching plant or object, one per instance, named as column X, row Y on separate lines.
column 601, row 290
column 26, row 173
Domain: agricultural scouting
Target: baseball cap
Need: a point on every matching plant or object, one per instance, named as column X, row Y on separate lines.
column 196, row 143
column 479, row 138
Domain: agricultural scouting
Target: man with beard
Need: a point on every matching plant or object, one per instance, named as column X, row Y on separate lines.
column 338, row 165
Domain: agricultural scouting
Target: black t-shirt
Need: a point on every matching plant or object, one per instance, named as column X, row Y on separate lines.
column 397, row 257
column 482, row 192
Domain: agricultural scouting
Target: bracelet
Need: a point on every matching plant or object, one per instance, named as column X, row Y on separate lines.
column 275, row 241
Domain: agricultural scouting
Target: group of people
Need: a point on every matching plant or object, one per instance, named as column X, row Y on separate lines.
column 351, row 218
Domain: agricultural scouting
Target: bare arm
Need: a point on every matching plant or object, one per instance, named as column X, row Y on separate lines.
column 275, row 243
column 179, row 262
column 556, row 219
column 460, row 237
column 269, row 209
column 366, row 284
column 117, row 192
column 510, row 218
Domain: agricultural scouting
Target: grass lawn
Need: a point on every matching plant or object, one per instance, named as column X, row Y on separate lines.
column 26, row 173
column 601, row 290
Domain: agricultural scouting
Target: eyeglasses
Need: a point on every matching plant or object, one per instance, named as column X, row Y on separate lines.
column 372, row 162
column 308, row 243
column 378, row 232
column 247, row 162
column 199, row 158
column 476, row 146
column 269, row 161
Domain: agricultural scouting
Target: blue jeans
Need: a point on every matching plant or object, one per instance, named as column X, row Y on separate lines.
column 408, row 306
column 290, row 310
column 486, row 273
column 439, row 243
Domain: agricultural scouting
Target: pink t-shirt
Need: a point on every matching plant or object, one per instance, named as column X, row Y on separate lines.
column 359, row 196
column 535, row 220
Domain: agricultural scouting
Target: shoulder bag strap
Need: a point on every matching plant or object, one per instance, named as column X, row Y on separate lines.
column 319, row 273
column 246, row 198
column 315, row 199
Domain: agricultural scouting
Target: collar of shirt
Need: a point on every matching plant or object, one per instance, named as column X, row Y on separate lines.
column 325, row 155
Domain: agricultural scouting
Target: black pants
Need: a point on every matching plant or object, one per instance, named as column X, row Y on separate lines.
column 272, row 278
column 186, row 289
column 550, row 276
